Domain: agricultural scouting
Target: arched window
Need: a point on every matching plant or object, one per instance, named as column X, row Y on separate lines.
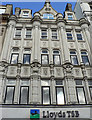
column 44, row 57
column 56, row 57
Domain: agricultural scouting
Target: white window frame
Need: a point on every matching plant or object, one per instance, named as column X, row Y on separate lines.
column 73, row 55
column 25, row 15
column 86, row 56
column 44, row 35
column 2, row 10
column 79, row 32
column 54, row 31
column 18, row 34
column 69, row 32
column 30, row 33
column 56, row 54
column 80, row 86
column 45, row 54
column 70, row 16
column 60, row 86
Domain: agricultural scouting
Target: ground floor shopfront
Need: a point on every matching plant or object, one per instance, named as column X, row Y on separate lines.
column 69, row 112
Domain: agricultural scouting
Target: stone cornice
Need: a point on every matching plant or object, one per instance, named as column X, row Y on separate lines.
column 83, row 21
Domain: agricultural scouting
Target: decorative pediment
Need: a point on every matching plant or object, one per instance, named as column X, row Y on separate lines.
column 47, row 12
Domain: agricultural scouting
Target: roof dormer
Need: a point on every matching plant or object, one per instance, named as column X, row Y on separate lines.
column 69, row 14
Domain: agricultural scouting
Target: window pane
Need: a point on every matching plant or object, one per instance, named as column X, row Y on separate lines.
column 60, row 95
column 90, row 82
column 46, row 95
column 44, row 82
column 78, row 82
column 24, row 95
column 81, row 97
column 44, row 59
column 90, row 92
column 11, row 82
column 56, row 59
column 59, row 82
column 79, row 36
column 9, row 95
column 85, row 60
column 74, row 60
column 26, row 59
column 14, row 59
column 24, row 82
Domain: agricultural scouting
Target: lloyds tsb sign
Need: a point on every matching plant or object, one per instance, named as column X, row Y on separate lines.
column 61, row 114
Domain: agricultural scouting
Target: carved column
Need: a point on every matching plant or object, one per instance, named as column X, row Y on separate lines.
column 86, row 84
column 61, row 27
column 8, row 38
column 36, row 40
column 52, row 84
column 36, row 84
column 17, row 87
column 3, row 69
column 69, row 84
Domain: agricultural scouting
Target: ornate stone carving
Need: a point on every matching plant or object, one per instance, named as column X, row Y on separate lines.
column 67, row 68
column 45, row 71
column 58, row 71
column 77, row 71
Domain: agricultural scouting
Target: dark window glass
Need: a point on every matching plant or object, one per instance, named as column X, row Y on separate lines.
column 9, row 97
column 69, row 36
column 56, row 59
column 60, row 95
column 90, row 82
column 79, row 37
column 45, row 95
column 74, row 59
column 54, row 34
column 85, row 60
column 18, row 33
column 44, row 34
column 81, row 95
column 78, row 82
column 26, row 59
column 14, row 58
column 28, row 33
column 44, row 59
column 24, row 94
column 59, row 82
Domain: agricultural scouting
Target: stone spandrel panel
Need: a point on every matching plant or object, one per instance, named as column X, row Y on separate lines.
column 44, row 44
column 77, row 72
column 27, row 43
column 25, row 71
column 16, row 43
column 56, row 44
column 72, row 45
column 45, row 72
column 82, row 45
column 12, row 71
column 58, row 72
column 89, row 72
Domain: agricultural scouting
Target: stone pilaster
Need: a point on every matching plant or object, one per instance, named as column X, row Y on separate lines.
column 88, row 99
column 69, row 83
column 61, row 27
column 36, row 84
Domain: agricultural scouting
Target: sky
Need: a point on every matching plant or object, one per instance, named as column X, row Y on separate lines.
column 36, row 6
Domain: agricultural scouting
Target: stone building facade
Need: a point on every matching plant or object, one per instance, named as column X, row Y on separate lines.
column 5, row 12
column 46, row 65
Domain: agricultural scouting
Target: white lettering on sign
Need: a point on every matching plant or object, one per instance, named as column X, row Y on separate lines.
column 60, row 114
